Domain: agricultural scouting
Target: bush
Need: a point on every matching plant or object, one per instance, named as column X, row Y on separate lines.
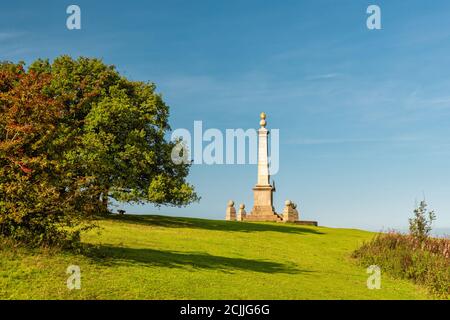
column 425, row 261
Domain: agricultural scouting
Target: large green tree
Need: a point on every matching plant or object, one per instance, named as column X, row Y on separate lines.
column 103, row 135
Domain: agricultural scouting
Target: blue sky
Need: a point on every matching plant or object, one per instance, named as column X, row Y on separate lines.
column 363, row 114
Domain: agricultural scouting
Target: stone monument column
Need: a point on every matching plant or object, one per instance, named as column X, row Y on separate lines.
column 263, row 162
column 263, row 209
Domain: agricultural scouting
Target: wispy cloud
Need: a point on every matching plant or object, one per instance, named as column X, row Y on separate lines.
column 5, row 36
column 320, row 141
column 422, row 100
column 12, row 45
column 323, row 76
column 309, row 141
column 246, row 89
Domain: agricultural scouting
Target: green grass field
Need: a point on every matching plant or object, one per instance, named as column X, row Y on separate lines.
column 155, row 257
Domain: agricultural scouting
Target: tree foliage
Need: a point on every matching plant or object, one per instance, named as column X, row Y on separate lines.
column 73, row 134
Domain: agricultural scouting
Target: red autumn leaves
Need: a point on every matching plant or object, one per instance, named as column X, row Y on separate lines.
column 28, row 116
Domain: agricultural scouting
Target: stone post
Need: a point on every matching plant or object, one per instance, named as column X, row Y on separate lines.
column 231, row 211
column 241, row 213
column 297, row 215
column 290, row 213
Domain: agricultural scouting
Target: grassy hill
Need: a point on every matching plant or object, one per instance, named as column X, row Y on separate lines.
column 155, row 257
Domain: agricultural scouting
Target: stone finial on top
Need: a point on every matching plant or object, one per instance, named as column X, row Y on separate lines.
column 231, row 211
column 263, row 122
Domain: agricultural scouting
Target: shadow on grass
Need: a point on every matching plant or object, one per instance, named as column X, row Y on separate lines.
column 112, row 255
column 217, row 225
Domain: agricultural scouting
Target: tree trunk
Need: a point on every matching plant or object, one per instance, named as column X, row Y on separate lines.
column 105, row 198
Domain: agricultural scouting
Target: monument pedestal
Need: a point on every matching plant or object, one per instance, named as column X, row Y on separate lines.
column 263, row 209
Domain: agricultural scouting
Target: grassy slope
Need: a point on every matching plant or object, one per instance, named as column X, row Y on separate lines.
column 153, row 257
